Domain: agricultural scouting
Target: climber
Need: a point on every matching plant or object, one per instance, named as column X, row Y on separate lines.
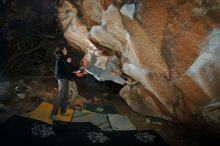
column 64, row 72
column 103, row 74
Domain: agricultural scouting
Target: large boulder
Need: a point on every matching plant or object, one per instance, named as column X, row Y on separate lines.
column 171, row 47
column 169, row 58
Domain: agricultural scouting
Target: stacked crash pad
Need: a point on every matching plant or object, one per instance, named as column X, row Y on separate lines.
column 101, row 115
column 101, row 109
column 86, row 128
column 100, row 120
column 42, row 113
column 25, row 131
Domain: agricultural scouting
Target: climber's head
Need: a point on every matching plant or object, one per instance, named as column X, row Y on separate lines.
column 60, row 52
column 64, row 51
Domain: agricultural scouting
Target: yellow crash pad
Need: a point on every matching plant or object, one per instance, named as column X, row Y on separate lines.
column 42, row 113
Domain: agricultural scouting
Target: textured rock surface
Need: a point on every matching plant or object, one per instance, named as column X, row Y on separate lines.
column 211, row 114
column 128, row 10
column 75, row 31
column 171, row 47
column 110, row 33
column 93, row 9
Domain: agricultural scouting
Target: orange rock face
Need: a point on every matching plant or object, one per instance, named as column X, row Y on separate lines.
column 179, row 35
column 171, row 47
